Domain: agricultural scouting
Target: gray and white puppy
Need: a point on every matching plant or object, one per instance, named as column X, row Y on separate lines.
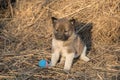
column 66, row 43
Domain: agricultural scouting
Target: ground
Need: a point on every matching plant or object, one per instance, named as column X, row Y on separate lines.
column 26, row 33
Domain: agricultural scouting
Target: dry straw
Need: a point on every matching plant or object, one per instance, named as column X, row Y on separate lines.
column 27, row 26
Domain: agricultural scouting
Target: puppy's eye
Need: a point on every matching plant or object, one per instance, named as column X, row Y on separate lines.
column 66, row 31
column 56, row 30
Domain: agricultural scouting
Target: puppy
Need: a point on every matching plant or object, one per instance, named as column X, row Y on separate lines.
column 66, row 43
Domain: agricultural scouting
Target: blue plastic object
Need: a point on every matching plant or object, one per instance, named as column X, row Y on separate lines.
column 43, row 63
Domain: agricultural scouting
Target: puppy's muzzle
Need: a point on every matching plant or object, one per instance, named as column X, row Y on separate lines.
column 61, row 37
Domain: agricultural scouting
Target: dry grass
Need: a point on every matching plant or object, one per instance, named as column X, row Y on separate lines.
column 25, row 38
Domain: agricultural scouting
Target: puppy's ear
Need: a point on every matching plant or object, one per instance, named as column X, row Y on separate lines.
column 54, row 19
column 72, row 21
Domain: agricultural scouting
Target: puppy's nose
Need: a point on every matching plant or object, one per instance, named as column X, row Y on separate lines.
column 59, row 36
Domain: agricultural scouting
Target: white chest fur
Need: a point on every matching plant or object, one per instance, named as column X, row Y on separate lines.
column 57, row 43
column 58, row 47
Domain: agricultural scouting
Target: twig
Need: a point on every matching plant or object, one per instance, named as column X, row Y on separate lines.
column 11, row 9
column 105, row 70
column 99, row 76
column 4, row 76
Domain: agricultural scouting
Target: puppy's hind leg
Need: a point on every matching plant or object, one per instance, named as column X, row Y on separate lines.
column 83, row 55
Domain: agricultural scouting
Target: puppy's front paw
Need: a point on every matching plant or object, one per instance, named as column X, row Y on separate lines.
column 66, row 71
column 51, row 64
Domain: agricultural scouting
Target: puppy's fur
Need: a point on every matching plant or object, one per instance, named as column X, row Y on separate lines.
column 66, row 43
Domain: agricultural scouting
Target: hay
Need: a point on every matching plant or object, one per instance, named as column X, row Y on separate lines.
column 25, row 38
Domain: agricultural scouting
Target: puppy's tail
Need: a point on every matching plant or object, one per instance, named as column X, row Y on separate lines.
column 83, row 55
